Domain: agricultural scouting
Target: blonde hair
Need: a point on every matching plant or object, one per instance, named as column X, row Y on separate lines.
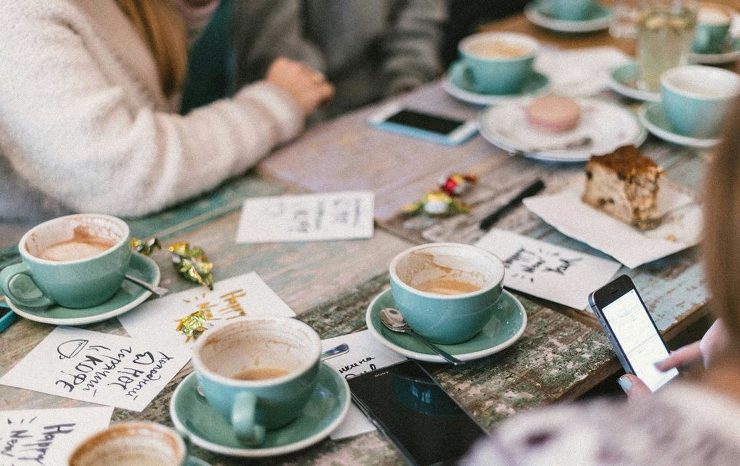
column 722, row 229
column 163, row 30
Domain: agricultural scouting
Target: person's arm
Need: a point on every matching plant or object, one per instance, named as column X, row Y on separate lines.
column 73, row 134
column 411, row 45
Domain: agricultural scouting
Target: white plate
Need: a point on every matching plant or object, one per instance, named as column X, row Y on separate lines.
column 653, row 118
column 608, row 125
column 536, row 13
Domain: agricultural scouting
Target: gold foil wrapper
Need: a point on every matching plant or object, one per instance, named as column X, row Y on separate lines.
column 145, row 246
column 193, row 325
column 436, row 204
column 192, row 264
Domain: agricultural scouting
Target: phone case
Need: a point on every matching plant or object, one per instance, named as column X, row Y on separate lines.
column 421, row 134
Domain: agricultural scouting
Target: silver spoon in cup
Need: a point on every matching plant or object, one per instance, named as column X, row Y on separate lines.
column 394, row 321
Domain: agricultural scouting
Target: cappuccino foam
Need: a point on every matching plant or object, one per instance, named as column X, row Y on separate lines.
column 497, row 49
column 83, row 245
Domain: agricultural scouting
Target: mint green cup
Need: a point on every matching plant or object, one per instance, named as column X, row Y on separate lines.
column 73, row 283
column 498, row 63
column 572, row 10
column 696, row 99
column 712, row 28
column 446, row 318
column 284, row 352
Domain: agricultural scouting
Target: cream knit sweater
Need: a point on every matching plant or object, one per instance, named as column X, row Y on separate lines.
column 84, row 125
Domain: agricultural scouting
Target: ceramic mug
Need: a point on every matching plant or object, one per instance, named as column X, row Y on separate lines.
column 131, row 444
column 447, row 292
column 572, row 10
column 696, row 99
column 497, row 62
column 258, row 373
column 712, row 28
column 76, row 261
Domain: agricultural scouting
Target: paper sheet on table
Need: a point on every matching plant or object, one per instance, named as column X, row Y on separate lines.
column 365, row 354
column 547, row 271
column 47, row 436
column 232, row 299
column 307, row 217
column 98, row 367
column 579, row 73
column 679, row 229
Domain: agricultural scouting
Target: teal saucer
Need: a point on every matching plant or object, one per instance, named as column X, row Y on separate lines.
column 539, row 13
column 653, row 118
column 457, row 84
column 325, row 410
column 623, row 80
column 730, row 54
column 505, row 327
column 128, row 297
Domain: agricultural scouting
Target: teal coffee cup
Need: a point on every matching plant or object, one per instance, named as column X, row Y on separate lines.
column 77, row 261
column 447, row 292
column 258, row 373
column 497, row 62
column 572, row 10
column 696, row 99
column 712, row 28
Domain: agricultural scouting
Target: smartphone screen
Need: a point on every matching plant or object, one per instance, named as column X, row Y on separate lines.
column 432, row 123
column 408, row 405
column 638, row 338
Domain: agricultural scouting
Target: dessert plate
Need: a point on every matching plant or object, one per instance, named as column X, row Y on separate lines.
column 654, row 119
column 539, row 14
column 504, row 328
column 606, row 125
column 128, row 297
column 623, row 80
column 205, row 427
column 458, row 85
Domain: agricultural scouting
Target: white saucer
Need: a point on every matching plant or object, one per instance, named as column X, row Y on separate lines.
column 608, row 125
column 623, row 80
column 731, row 54
column 536, row 12
column 653, row 118
column 503, row 330
column 456, row 84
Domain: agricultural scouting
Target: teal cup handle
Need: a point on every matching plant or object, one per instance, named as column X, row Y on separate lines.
column 18, row 285
column 243, row 420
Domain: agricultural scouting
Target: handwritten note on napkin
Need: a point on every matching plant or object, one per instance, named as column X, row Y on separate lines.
column 231, row 299
column 307, row 217
column 47, row 436
column 97, row 367
column 548, row 271
column 680, row 227
column 365, row 354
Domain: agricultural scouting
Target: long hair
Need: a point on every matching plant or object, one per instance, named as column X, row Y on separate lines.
column 162, row 29
column 722, row 229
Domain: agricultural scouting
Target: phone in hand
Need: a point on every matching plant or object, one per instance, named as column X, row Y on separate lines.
column 424, row 125
column 632, row 332
column 415, row 413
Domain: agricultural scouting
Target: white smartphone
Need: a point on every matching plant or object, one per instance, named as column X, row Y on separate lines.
column 424, row 125
column 632, row 332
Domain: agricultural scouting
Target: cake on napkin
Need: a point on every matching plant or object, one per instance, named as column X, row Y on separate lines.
column 624, row 184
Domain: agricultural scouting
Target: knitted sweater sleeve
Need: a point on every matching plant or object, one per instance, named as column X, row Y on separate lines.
column 72, row 131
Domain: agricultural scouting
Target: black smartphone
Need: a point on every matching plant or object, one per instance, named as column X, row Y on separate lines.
column 415, row 413
column 424, row 125
column 632, row 332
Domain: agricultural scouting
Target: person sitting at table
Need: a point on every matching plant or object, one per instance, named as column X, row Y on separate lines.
column 89, row 93
column 683, row 423
column 369, row 50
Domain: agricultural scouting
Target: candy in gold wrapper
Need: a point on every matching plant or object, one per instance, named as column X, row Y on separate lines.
column 192, row 263
column 145, row 246
column 457, row 184
column 192, row 325
column 436, row 203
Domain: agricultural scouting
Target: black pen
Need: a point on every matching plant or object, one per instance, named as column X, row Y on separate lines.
column 493, row 217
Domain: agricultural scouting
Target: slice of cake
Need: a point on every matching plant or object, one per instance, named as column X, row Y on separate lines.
column 624, row 184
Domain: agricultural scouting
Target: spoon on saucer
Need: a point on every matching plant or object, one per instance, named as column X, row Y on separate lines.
column 157, row 290
column 394, row 321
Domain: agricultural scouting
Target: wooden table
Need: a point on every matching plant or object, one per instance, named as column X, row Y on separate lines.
column 562, row 354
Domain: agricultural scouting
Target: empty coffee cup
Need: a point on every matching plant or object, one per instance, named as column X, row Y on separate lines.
column 696, row 99
column 131, row 444
column 498, row 62
column 258, row 373
column 712, row 28
column 447, row 292
column 76, row 261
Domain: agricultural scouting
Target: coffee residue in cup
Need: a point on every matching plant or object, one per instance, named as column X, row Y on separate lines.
column 82, row 245
column 447, row 286
column 497, row 49
column 425, row 273
column 260, row 373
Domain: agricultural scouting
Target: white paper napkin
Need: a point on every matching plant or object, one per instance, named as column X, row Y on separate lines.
column 579, row 73
column 679, row 229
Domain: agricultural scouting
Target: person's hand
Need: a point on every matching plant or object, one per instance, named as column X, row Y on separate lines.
column 308, row 86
